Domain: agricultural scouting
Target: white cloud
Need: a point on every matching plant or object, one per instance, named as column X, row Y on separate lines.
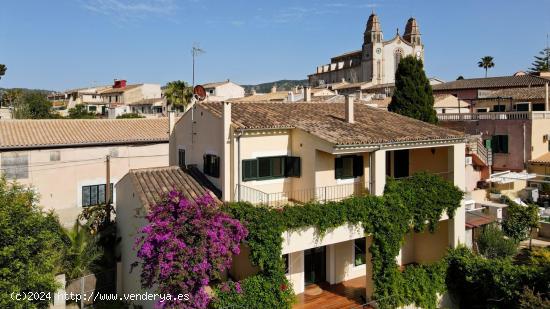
column 126, row 10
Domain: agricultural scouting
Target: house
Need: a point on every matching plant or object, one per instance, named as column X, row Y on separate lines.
column 143, row 99
column 288, row 153
column 297, row 94
column 64, row 160
column 376, row 62
column 222, row 91
column 447, row 103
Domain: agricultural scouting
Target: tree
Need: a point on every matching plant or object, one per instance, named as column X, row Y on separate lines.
column 3, row 70
column 80, row 112
column 185, row 245
column 486, row 63
column 540, row 64
column 460, row 77
column 11, row 97
column 413, row 95
column 34, row 106
column 129, row 116
column 82, row 253
column 492, row 243
column 178, row 93
column 520, row 221
column 32, row 244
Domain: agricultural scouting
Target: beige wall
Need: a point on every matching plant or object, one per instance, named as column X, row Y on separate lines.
column 59, row 183
column 539, row 146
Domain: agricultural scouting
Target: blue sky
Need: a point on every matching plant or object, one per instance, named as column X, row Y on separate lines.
column 60, row 44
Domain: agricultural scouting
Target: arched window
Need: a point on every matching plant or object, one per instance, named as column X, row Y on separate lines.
column 398, row 55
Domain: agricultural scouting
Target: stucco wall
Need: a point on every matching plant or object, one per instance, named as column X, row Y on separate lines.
column 59, row 183
column 540, row 146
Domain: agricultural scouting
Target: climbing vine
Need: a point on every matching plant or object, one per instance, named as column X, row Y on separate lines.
column 415, row 202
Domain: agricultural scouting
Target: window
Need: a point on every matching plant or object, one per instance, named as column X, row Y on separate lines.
column 94, row 195
column 55, row 155
column 348, row 167
column 522, row 107
column 499, row 143
column 92, row 108
column 113, row 152
column 15, row 165
column 211, row 165
column 93, row 96
column 181, row 158
column 359, row 250
column 481, row 110
column 271, row 168
column 537, row 107
column 499, row 108
column 285, row 260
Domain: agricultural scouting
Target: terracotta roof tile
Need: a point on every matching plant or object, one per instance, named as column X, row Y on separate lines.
column 372, row 125
column 152, row 184
column 492, row 82
column 526, row 93
column 30, row 134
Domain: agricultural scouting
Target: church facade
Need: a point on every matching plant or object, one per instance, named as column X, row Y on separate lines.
column 376, row 62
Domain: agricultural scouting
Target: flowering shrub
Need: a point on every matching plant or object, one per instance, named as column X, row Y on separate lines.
column 184, row 246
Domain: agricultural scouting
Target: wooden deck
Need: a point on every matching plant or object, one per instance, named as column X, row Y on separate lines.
column 348, row 294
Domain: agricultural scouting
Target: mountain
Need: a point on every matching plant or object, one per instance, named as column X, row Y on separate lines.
column 284, row 85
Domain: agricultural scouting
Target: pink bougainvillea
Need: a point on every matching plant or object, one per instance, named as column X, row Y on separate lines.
column 185, row 245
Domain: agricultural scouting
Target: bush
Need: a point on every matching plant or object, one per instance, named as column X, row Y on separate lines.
column 492, row 243
column 529, row 300
column 519, row 220
column 129, row 116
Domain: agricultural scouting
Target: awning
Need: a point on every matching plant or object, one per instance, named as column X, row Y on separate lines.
column 476, row 219
column 509, row 177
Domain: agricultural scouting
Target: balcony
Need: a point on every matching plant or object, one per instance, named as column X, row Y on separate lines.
column 494, row 116
column 318, row 194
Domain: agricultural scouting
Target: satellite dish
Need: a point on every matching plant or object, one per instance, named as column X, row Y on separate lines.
column 199, row 92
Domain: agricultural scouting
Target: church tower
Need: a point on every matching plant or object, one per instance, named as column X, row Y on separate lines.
column 412, row 32
column 372, row 59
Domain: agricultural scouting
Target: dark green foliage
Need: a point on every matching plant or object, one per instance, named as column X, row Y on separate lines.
column 492, row 243
column 387, row 219
column 413, row 95
column 477, row 282
column 528, row 300
column 282, row 85
column 519, row 220
column 34, row 105
column 3, row 70
column 540, row 64
column 486, row 63
column 129, row 116
column 80, row 112
column 32, row 244
column 83, row 252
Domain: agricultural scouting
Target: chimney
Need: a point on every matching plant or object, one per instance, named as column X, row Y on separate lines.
column 253, row 92
column 349, row 109
column 360, row 95
column 290, row 96
column 171, row 121
column 274, row 89
column 307, row 94
column 295, row 89
column 119, row 83
column 225, row 168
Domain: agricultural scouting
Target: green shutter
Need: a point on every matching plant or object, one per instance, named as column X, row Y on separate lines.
column 205, row 164
column 358, row 167
column 215, row 166
column 338, row 168
column 250, row 169
column 504, row 145
column 292, row 167
column 494, row 144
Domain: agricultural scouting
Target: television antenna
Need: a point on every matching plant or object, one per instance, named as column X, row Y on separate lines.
column 196, row 51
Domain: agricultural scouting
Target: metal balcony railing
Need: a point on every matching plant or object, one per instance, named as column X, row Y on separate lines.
column 318, row 194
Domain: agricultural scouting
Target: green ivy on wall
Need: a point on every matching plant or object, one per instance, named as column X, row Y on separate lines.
column 416, row 202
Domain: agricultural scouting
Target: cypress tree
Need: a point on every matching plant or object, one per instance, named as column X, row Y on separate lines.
column 413, row 95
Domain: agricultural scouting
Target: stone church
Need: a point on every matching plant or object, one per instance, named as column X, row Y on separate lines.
column 376, row 62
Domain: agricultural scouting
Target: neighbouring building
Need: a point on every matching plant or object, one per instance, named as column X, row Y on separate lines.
column 376, row 62
column 64, row 160
column 297, row 94
column 288, row 153
column 90, row 97
column 143, row 99
column 223, row 91
column 447, row 103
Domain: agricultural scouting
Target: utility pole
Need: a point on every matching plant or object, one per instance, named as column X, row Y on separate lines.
column 196, row 51
column 108, row 189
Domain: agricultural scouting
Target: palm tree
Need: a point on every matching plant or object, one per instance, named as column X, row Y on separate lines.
column 178, row 93
column 82, row 253
column 3, row 70
column 486, row 63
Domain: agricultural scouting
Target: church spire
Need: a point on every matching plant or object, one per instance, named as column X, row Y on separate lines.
column 373, row 32
column 412, row 32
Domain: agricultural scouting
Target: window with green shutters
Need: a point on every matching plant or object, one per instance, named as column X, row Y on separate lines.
column 348, row 167
column 211, row 165
column 271, row 168
column 181, row 158
column 499, row 143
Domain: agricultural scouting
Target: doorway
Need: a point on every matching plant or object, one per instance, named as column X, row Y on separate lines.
column 314, row 265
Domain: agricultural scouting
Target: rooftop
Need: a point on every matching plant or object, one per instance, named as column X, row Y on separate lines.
column 48, row 133
column 372, row 126
column 151, row 184
column 526, row 93
column 119, row 90
column 492, row 82
column 215, row 84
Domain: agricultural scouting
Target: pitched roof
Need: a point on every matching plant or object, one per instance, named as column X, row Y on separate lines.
column 263, row 97
column 215, row 84
column 372, row 126
column 527, row 93
column 119, row 90
column 47, row 133
column 544, row 159
column 152, row 184
column 477, row 219
column 492, row 82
